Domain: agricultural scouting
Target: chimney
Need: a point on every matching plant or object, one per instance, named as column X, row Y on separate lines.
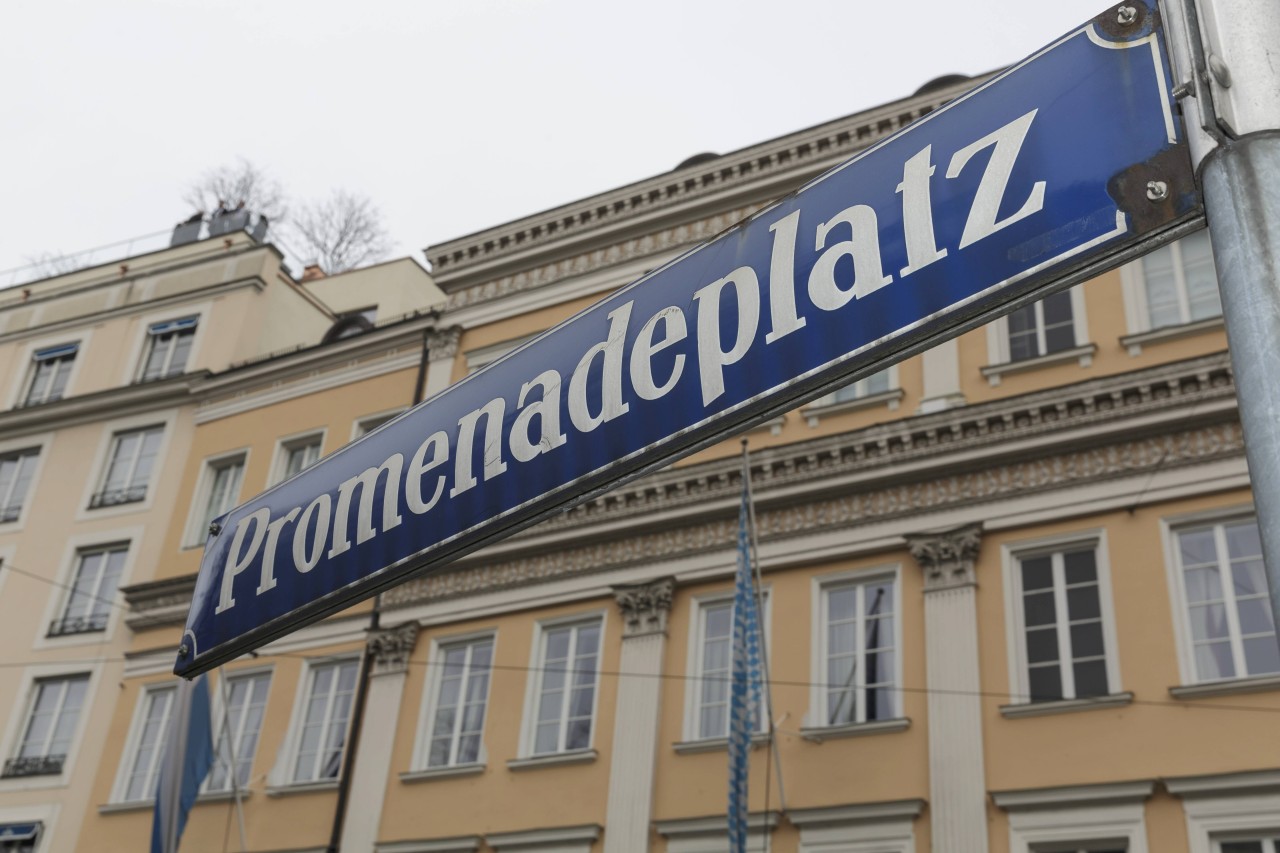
column 311, row 272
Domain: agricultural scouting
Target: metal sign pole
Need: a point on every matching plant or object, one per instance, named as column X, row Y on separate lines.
column 1229, row 63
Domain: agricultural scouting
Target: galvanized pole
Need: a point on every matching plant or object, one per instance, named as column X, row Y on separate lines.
column 1227, row 60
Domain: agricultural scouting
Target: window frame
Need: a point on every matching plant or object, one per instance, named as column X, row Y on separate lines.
column 17, row 718
column 197, row 529
column 69, row 359
column 104, row 550
column 1137, row 306
column 1077, row 817
column 431, row 697
column 152, row 338
column 282, row 774
column 827, row 404
column 219, row 718
column 32, row 693
column 998, row 353
column 130, row 754
column 816, row 718
column 97, row 498
column 699, row 604
column 18, row 449
column 533, row 686
column 1170, row 528
column 287, row 444
column 1012, row 554
column 366, row 424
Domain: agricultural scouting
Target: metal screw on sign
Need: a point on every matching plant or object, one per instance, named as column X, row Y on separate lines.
column 183, row 649
column 1126, row 15
column 214, row 528
column 1157, row 190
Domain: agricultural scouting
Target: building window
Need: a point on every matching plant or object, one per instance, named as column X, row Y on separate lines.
column 1226, row 600
column 1042, row 328
column 858, row 652
column 1179, row 283
column 50, row 370
column 168, row 347
column 143, row 771
column 564, row 699
column 92, row 592
column 237, row 733
column 133, row 455
column 715, row 631
column 367, row 425
column 1249, row 845
column 324, row 721
column 16, row 471
column 51, row 724
column 868, row 386
column 461, row 695
column 298, row 454
column 1063, row 643
column 221, row 490
column 20, row 837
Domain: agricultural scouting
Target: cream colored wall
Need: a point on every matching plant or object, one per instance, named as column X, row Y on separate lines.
column 1155, row 736
column 397, row 287
column 501, row 799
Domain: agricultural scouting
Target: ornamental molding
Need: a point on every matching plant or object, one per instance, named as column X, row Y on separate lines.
column 948, row 558
column 789, row 160
column 645, row 606
column 442, row 344
column 390, row 648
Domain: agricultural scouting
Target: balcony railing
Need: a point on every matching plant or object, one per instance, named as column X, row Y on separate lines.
column 34, row 765
column 10, row 513
column 115, row 497
column 78, row 625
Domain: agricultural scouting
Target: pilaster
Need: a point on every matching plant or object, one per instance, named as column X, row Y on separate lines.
column 442, row 348
column 645, row 608
column 390, row 650
column 957, row 777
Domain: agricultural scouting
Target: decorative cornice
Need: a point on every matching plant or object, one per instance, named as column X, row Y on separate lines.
column 390, row 648
column 785, row 160
column 138, row 397
column 947, row 558
column 442, row 344
column 645, row 606
column 158, row 603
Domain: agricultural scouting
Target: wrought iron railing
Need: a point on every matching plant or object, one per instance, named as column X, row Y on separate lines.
column 78, row 625
column 34, row 765
column 115, row 497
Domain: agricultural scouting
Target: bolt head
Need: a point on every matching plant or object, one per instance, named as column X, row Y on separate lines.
column 1126, row 15
column 214, row 528
column 183, row 649
column 1157, row 190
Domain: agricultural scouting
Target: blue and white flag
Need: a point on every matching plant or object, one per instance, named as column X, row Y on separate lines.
column 745, row 693
column 188, row 755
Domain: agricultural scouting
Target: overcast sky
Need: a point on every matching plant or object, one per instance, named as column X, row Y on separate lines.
column 451, row 116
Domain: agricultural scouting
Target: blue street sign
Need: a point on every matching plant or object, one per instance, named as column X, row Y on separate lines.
column 1035, row 180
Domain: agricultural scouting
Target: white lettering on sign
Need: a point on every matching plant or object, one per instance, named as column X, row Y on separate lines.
column 726, row 324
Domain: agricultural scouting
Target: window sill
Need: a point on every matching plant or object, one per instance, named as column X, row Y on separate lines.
column 430, row 773
column 890, row 399
column 773, row 425
column 1083, row 354
column 1065, row 706
column 226, row 796
column 714, row 744
column 301, row 788
column 1169, row 333
column 1229, row 687
column 131, row 806
column 819, row 734
column 555, row 759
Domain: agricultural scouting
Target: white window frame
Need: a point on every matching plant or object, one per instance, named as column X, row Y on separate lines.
column 45, row 814
column 998, row 356
column 219, row 718
column 1228, row 807
column 533, row 686
column 68, row 362
column 1169, row 528
column 97, row 595
column 1012, row 554
column 1133, row 280
column 864, row 828
column 16, row 724
column 693, row 662
column 289, row 443
column 196, row 531
column 827, row 404
column 102, row 459
column 22, row 375
column 368, row 423
column 39, row 447
column 33, row 691
column 129, row 755
column 105, row 470
column 431, row 696
column 281, row 775
column 124, row 537
column 816, row 718
column 1089, row 816
column 133, row 365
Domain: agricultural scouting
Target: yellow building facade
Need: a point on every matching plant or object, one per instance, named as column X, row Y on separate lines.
column 1013, row 592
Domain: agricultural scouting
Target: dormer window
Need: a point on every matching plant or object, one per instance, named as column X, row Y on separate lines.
column 168, row 347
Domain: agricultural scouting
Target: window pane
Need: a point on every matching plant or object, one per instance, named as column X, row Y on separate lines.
column 1249, row 578
column 1037, row 573
column 1022, row 334
column 1213, row 660
column 1262, row 655
column 1209, row 621
column 1042, row 645
column 1080, row 566
column 1255, row 616
column 1203, row 584
column 1082, row 603
column 1086, row 640
column 1059, row 331
column 1091, row 678
column 1045, row 683
column 1197, row 548
column 1242, row 847
column 1040, row 608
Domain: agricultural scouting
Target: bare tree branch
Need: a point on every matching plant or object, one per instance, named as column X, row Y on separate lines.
column 235, row 183
column 340, row 232
column 50, row 264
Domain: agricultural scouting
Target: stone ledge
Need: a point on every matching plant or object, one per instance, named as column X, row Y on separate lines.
column 818, row 734
column 1065, row 706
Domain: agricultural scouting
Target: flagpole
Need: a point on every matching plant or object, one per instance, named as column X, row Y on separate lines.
column 764, row 658
column 233, row 771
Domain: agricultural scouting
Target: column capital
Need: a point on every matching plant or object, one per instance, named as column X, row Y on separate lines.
column 644, row 606
column 948, row 558
column 442, row 344
column 390, row 648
